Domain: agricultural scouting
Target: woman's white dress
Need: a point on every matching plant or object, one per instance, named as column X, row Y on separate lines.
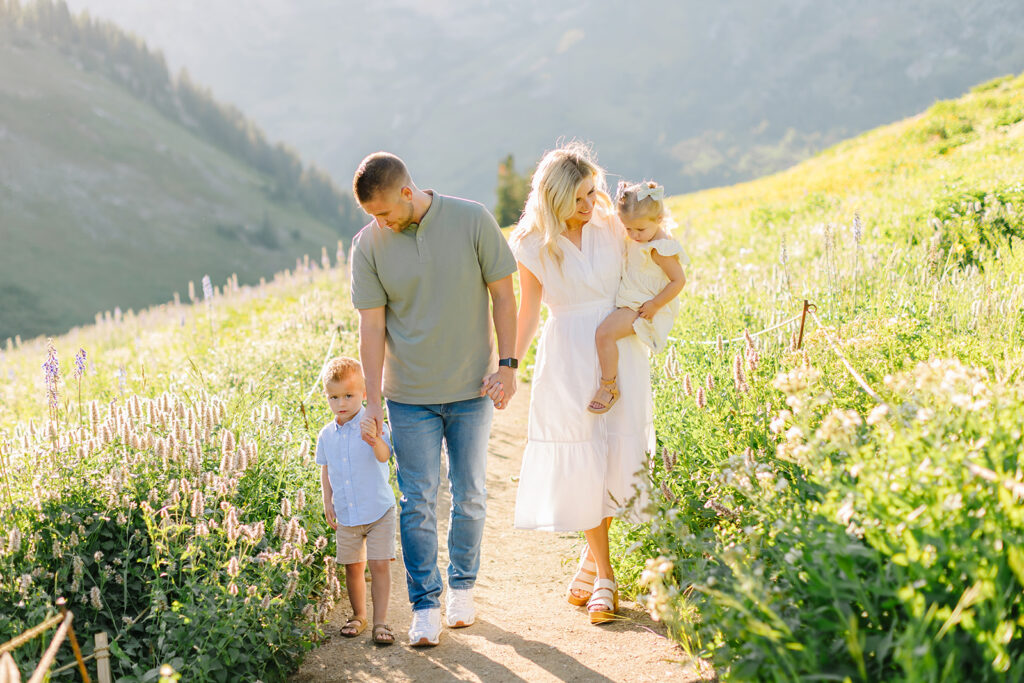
column 578, row 467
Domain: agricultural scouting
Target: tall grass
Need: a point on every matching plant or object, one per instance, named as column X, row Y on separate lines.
column 171, row 496
column 810, row 526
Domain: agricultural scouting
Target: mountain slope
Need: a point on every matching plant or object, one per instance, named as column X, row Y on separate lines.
column 694, row 94
column 105, row 202
column 759, row 567
column 949, row 174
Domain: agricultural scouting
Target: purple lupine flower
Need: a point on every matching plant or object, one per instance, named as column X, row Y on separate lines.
column 51, row 373
column 207, row 288
column 80, row 363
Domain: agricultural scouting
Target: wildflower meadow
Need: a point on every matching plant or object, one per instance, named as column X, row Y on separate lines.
column 851, row 509
column 848, row 505
column 165, row 484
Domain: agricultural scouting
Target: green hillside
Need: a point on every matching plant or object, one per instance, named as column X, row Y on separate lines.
column 851, row 510
column 807, row 523
column 693, row 93
column 897, row 177
column 108, row 202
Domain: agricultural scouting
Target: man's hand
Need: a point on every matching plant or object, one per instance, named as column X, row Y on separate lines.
column 332, row 520
column 648, row 309
column 374, row 412
column 500, row 387
column 371, row 430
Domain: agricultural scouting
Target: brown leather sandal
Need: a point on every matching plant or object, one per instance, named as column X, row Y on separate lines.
column 355, row 626
column 383, row 635
column 609, row 388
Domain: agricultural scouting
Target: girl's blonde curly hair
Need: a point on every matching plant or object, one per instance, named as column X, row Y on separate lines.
column 629, row 205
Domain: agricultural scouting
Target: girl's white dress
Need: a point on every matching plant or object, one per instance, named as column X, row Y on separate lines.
column 642, row 279
column 578, row 467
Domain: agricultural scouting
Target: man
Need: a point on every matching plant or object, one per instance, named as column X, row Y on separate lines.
column 423, row 275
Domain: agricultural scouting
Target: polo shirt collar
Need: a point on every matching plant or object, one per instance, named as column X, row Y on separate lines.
column 353, row 423
column 432, row 210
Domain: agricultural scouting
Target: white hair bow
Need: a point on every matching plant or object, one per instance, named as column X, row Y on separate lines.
column 657, row 193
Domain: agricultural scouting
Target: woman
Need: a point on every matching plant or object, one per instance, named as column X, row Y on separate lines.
column 579, row 469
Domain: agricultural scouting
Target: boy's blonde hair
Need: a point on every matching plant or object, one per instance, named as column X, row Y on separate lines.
column 341, row 368
column 629, row 205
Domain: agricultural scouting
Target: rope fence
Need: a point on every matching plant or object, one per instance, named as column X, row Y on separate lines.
column 810, row 308
column 101, row 651
column 849, row 368
column 65, row 631
column 741, row 337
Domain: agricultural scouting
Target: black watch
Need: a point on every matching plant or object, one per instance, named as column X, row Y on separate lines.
column 509, row 363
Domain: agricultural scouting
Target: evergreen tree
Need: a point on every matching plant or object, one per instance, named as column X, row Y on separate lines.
column 512, row 191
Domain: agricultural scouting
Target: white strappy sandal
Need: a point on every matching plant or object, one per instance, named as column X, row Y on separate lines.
column 583, row 580
column 604, row 601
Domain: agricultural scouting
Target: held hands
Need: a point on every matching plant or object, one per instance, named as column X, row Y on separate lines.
column 500, row 387
column 371, row 430
column 648, row 309
column 374, row 416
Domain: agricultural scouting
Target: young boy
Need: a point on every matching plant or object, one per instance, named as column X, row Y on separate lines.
column 358, row 500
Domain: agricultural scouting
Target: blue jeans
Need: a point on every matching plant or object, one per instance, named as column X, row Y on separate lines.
column 417, row 432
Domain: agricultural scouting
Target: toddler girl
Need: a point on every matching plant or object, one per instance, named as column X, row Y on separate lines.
column 652, row 277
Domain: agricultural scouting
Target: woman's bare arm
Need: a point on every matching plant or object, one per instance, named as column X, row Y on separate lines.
column 528, row 319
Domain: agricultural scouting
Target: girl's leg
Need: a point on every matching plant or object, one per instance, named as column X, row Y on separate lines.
column 355, row 584
column 380, row 589
column 618, row 325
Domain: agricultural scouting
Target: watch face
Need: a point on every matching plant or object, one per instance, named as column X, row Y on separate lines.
column 509, row 362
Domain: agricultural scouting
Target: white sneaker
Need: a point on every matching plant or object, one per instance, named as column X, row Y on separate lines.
column 459, row 609
column 426, row 627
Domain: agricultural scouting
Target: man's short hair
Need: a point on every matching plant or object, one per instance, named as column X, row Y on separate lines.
column 377, row 172
column 341, row 368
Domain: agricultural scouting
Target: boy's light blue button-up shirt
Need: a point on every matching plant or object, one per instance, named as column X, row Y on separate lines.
column 362, row 493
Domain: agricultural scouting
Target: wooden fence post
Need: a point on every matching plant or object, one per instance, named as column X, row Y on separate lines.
column 62, row 604
column 102, row 654
column 803, row 316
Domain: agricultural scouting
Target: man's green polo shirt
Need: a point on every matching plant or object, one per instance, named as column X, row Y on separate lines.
column 432, row 280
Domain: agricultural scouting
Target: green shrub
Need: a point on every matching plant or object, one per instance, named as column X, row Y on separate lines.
column 876, row 544
column 171, row 510
column 945, row 125
column 972, row 225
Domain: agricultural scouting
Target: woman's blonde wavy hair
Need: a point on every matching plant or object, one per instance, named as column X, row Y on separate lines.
column 552, row 197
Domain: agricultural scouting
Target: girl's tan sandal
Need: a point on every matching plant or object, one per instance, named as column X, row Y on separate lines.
column 605, row 397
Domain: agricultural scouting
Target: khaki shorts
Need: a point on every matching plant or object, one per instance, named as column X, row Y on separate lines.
column 374, row 541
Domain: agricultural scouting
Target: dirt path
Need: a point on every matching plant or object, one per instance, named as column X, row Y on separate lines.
column 525, row 630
